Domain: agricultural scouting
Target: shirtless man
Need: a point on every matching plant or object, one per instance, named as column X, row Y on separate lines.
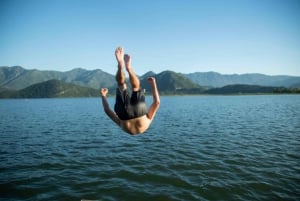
column 130, row 111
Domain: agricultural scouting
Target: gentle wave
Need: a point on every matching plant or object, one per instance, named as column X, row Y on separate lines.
column 210, row 148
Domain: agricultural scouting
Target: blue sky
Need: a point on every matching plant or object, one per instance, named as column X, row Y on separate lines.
column 226, row 36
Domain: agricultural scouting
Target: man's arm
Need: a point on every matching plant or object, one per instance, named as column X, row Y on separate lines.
column 112, row 115
column 155, row 105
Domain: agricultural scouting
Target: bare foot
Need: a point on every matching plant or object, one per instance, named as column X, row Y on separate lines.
column 127, row 60
column 119, row 56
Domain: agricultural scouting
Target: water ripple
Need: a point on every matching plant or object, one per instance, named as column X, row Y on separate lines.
column 211, row 148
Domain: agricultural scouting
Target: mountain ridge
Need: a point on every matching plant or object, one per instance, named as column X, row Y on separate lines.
column 168, row 82
column 214, row 79
column 51, row 89
column 60, row 89
column 171, row 82
column 17, row 77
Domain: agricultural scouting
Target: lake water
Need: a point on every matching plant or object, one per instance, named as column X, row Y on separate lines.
column 197, row 148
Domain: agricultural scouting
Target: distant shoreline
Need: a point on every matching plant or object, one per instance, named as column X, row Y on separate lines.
column 162, row 95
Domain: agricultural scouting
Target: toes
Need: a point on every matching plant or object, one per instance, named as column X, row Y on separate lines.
column 120, row 49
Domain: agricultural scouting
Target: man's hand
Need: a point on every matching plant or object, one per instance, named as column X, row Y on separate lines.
column 151, row 81
column 103, row 92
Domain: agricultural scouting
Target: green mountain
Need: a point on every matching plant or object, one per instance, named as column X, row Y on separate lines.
column 148, row 74
column 172, row 83
column 19, row 82
column 51, row 89
column 90, row 78
column 213, row 79
column 16, row 78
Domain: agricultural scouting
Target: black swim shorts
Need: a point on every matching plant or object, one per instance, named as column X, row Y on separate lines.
column 130, row 107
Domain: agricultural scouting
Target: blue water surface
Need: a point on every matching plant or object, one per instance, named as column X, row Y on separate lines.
column 197, row 148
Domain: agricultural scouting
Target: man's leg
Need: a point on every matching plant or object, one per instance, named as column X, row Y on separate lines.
column 134, row 80
column 120, row 76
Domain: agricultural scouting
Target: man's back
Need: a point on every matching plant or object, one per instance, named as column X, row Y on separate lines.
column 136, row 126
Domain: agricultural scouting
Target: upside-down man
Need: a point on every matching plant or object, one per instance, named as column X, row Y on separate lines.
column 130, row 112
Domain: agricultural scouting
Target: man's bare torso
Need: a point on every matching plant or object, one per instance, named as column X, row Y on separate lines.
column 136, row 125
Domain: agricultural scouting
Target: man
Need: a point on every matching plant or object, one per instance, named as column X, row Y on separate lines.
column 130, row 111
